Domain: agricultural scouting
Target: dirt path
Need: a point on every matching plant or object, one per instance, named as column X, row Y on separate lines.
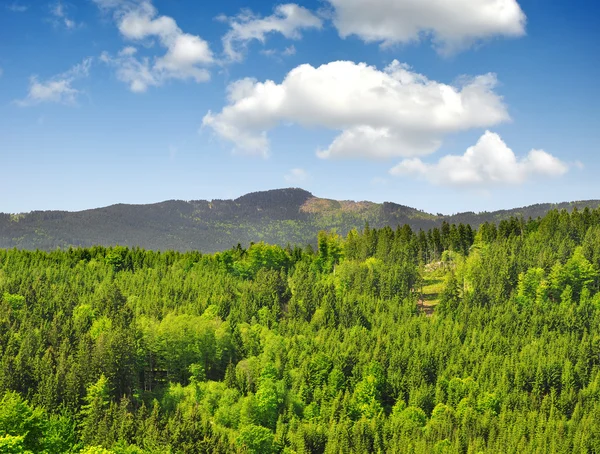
column 426, row 308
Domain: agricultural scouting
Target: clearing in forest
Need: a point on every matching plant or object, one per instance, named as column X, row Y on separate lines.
column 431, row 288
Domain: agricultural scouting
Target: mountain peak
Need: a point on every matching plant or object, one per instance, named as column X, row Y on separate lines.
column 286, row 197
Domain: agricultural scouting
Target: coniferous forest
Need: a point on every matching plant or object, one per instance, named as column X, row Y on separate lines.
column 451, row 340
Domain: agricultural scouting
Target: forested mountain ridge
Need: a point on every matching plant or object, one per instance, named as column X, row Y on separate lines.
column 278, row 216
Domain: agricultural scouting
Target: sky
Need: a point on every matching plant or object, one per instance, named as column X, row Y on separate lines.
column 445, row 106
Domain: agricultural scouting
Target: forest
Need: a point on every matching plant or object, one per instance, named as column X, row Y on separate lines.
column 457, row 339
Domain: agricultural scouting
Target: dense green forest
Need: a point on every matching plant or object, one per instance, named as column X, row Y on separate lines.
column 278, row 216
column 323, row 349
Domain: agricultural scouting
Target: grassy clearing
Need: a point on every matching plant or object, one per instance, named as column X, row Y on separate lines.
column 433, row 284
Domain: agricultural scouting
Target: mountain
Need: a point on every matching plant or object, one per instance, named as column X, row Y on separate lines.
column 278, row 216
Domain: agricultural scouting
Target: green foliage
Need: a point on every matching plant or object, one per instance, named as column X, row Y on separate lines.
column 15, row 302
column 410, row 419
column 93, row 412
column 329, row 252
column 95, row 450
column 12, row 444
column 577, row 272
column 181, row 342
column 529, row 283
column 292, row 350
column 266, row 403
column 450, row 296
column 260, row 256
column 257, row 439
column 21, row 426
column 116, row 258
column 368, row 392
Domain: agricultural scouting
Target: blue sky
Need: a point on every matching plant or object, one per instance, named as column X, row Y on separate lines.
column 483, row 105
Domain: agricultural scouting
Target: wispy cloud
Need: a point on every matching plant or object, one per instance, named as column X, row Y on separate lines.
column 287, row 52
column 290, row 50
column 16, row 7
column 60, row 16
column 289, row 20
column 57, row 89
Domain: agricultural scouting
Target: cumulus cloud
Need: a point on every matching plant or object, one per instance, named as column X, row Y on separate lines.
column 489, row 162
column 60, row 16
column 451, row 25
column 186, row 54
column 379, row 114
column 296, row 176
column 288, row 20
column 57, row 89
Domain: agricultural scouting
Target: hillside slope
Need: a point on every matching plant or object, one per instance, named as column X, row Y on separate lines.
column 278, row 216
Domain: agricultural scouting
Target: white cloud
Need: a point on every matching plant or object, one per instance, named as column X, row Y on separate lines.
column 137, row 72
column 57, row 89
column 379, row 114
column 16, row 7
column 127, row 51
column 288, row 19
column 59, row 11
column 452, row 25
column 487, row 163
column 185, row 57
column 296, row 176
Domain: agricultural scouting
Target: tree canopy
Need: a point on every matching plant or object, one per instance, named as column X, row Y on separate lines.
column 288, row 350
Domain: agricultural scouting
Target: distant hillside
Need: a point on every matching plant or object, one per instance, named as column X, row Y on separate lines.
column 279, row 216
